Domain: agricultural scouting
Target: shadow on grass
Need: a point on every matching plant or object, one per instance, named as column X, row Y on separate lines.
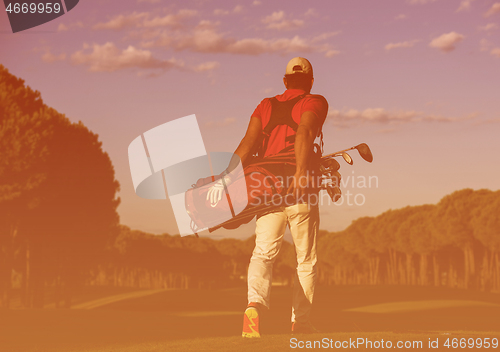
column 190, row 314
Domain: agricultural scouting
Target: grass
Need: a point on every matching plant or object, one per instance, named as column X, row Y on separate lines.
column 288, row 342
column 210, row 320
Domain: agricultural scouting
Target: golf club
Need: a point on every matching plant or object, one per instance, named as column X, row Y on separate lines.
column 363, row 150
column 328, row 168
column 347, row 158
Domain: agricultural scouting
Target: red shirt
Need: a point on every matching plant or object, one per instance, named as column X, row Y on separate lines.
column 314, row 103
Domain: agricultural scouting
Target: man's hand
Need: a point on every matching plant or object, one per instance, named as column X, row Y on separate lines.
column 215, row 193
column 247, row 144
column 301, row 182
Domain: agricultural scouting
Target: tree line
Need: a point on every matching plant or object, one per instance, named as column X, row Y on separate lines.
column 144, row 260
column 454, row 243
column 59, row 228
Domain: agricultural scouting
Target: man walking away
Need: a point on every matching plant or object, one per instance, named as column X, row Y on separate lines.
column 290, row 120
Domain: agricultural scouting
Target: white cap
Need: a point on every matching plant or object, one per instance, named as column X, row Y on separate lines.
column 299, row 65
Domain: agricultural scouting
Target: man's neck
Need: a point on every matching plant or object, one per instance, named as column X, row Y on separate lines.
column 298, row 90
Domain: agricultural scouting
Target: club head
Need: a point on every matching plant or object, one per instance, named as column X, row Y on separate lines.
column 331, row 164
column 365, row 152
column 347, row 158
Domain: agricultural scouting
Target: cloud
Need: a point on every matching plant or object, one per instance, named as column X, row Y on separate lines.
column 206, row 39
column 238, row 9
column 257, row 46
column 122, row 21
column 149, row 1
column 487, row 122
column 495, row 8
column 488, row 27
column 332, row 53
column 63, row 27
column 488, row 46
column 485, row 45
column 464, row 5
column 352, row 117
column 400, row 17
column 420, row 2
column 324, row 36
column 495, row 52
column 48, row 57
column 256, row 3
column 277, row 20
column 221, row 123
column 311, row 13
column 171, row 20
column 222, row 12
column 109, row 58
column 407, row 44
column 447, row 42
column 143, row 19
column 207, row 66
column 325, row 48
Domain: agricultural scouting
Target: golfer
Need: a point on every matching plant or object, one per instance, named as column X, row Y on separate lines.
column 291, row 120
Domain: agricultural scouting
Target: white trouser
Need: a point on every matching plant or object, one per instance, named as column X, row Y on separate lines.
column 304, row 224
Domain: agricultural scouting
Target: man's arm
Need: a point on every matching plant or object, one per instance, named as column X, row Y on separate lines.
column 304, row 140
column 244, row 150
column 247, row 144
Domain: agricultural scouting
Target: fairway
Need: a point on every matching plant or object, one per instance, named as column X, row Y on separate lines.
column 285, row 342
column 210, row 320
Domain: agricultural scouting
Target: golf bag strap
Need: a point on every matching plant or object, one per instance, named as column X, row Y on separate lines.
column 321, row 143
column 281, row 114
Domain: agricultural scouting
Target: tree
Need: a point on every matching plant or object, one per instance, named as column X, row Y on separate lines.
column 455, row 213
column 25, row 129
column 57, row 192
column 422, row 240
column 486, row 225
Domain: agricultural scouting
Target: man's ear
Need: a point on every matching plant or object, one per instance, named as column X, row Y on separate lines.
column 285, row 82
column 312, row 81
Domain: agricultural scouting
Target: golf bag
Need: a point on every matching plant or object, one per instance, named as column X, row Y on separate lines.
column 247, row 189
column 260, row 187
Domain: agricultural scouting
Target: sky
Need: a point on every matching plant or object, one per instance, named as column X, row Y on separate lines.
column 417, row 80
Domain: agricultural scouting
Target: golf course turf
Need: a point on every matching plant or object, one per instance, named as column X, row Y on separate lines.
column 210, row 320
